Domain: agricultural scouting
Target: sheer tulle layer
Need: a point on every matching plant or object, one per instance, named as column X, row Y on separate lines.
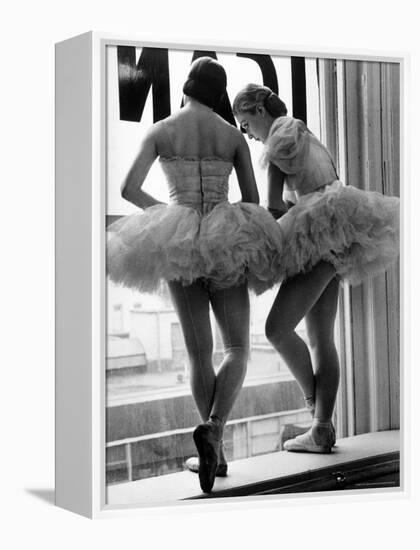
column 357, row 231
column 230, row 244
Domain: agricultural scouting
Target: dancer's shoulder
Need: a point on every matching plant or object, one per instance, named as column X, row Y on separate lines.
column 288, row 126
column 285, row 140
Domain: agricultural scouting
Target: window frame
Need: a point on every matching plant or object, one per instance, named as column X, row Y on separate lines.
column 80, row 261
column 369, row 395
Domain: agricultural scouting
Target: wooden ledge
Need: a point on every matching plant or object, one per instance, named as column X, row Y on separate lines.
column 353, row 460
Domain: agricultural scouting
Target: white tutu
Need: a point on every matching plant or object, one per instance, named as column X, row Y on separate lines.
column 356, row 231
column 228, row 245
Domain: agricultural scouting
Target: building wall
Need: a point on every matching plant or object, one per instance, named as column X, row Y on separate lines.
column 153, row 328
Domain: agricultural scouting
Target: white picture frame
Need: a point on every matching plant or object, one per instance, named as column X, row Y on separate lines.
column 80, row 265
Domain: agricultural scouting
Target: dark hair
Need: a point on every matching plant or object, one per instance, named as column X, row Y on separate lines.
column 247, row 100
column 206, row 82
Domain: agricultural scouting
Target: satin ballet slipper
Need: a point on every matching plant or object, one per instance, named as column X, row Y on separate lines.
column 310, row 405
column 306, row 443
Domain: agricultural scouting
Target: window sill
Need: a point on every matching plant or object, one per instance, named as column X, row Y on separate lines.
column 356, row 462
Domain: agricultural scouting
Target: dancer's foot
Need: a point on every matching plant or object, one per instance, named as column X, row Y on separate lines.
column 193, row 463
column 319, row 439
column 310, row 405
column 207, row 438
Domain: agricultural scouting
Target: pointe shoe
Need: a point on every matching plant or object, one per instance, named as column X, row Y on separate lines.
column 310, row 405
column 305, row 443
column 208, row 447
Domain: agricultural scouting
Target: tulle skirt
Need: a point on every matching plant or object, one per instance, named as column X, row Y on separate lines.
column 356, row 231
column 231, row 244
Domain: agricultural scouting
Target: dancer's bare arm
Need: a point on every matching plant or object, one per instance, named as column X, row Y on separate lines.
column 276, row 204
column 245, row 172
column 131, row 188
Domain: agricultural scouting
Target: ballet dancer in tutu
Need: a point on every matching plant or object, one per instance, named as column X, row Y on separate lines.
column 333, row 232
column 208, row 250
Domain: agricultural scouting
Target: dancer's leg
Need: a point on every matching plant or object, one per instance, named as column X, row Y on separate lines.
column 231, row 309
column 295, row 298
column 193, row 308
column 320, row 328
column 192, row 304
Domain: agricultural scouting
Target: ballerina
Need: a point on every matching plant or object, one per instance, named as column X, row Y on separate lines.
column 333, row 232
column 207, row 250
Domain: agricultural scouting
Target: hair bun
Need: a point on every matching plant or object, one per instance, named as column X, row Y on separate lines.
column 189, row 85
column 248, row 99
column 206, row 81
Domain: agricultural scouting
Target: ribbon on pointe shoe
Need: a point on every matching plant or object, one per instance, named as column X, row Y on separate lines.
column 310, row 405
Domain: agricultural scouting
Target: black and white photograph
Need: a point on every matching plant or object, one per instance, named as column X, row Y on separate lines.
column 210, row 275
column 252, row 265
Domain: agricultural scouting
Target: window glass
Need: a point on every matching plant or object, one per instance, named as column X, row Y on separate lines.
column 150, row 412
